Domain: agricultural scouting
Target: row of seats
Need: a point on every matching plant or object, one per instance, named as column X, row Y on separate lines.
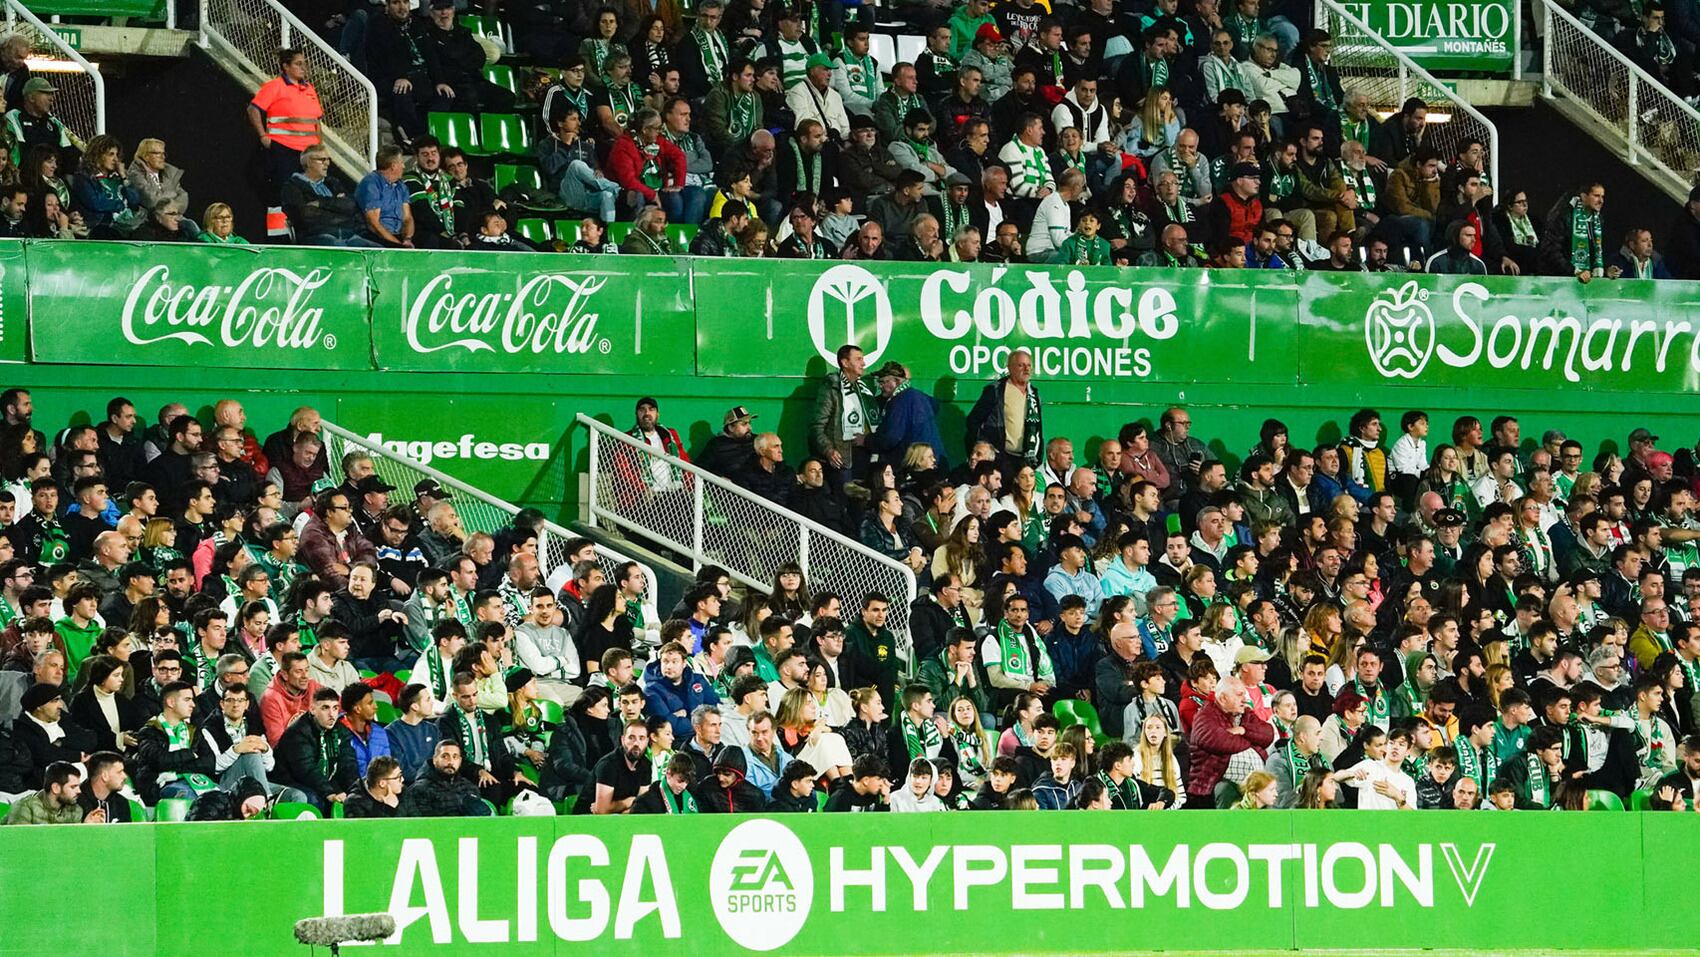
column 541, row 231
column 487, row 134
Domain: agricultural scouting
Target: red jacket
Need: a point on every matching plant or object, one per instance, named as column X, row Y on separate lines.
column 1212, row 744
column 280, row 705
column 320, row 552
column 1231, row 216
column 625, row 166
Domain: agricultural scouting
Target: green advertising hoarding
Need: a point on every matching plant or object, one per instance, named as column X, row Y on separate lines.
column 770, row 317
column 227, row 306
column 997, row 883
column 1477, row 36
column 458, row 312
column 14, row 303
column 1544, row 334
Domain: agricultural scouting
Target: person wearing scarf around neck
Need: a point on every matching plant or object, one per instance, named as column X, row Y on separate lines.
column 1410, row 698
column 846, row 416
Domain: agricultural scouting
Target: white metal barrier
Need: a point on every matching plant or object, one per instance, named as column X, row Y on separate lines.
column 479, row 511
column 1368, row 64
column 81, row 101
column 1650, row 125
column 244, row 37
column 714, row 522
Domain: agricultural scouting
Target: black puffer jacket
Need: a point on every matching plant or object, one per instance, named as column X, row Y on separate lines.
column 436, row 794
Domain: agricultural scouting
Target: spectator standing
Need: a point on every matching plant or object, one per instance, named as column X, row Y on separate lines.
column 1009, row 415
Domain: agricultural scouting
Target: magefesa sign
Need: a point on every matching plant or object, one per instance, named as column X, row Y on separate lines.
column 765, row 888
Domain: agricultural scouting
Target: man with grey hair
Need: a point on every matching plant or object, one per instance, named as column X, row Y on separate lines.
column 965, row 245
column 1292, row 760
column 1227, row 742
column 767, row 474
column 320, row 207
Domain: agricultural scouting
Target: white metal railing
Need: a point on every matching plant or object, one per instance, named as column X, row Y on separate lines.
column 1370, row 65
column 714, row 522
column 81, row 101
column 244, row 37
column 1650, row 124
column 479, row 511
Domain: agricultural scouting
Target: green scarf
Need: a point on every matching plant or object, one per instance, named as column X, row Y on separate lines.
column 476, row 743
column 1586, row 250
column 1351, row 129
column 970, row 757
column 1469, row 762
column 1298, row 765
column 622, row 103
column 439, row 677
column 1540, row 789
column 181, row 737
column 1320, row 89
column 1523, row 234
column 870, row 418
column 1031, row 425
column 1362, row 183
column 681, row 803
column 714, row 52
column 1015, row 658
column 741, row 118
column 1379, row 707
column 955, row 217
column 327, row 752
column 859, row 73
column 923, row 740
column 809, row 180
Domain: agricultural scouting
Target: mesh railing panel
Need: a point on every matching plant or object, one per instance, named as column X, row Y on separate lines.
column 77, row 103
column 478, row 511
column 1585, row 68
column 650, row 495
column 1370, row 66
column 253, row 31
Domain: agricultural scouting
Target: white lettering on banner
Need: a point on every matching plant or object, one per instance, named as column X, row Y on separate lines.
column 1431, row 21
column 999, row 320
column 528, row 319
column 1402, row 336
column 154, row 300
column 762, row 882
column 468, row 447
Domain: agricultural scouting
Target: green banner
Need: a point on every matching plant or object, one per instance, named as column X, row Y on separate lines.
column 225, row 306
column 1093, row 323
column 1546, row 334
column 1000, row 883
column 461, row 312
column 1452, row 35
column 14, row 303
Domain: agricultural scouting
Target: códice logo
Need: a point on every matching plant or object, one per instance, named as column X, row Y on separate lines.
column 1399, row 331
column 761, row 884
column 842, row 291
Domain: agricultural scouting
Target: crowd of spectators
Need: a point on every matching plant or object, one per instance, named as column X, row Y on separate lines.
column 1168, row 134
column 193, row 613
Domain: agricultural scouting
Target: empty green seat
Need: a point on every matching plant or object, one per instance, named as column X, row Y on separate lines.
column 503, row 133
column 503, row 76
column 294, row 810
column 681, row 234
column 456, row 129
column 566, row 230
column 171, row 809
column 506, row 174
column 617, row 232
column 479, row 26
column 533, row 231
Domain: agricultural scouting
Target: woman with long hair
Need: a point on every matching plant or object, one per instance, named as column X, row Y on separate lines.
column 1318, row 790
column 1085, row 747
column 98, row 190
column 652, row 53
column 1445, row 477
column 1154, row 759
column 1026, row 500
column 576, row 745
column 1323, row 625
column 1257, row 792
column 835, row 705
column 790, row 595
column 523, row 731
column 960, row 555
column 1273, row 441
column 103, row 708
column 159, row 544
column 973, row 744
column 1342, row 662
column 605, row 625
column 885, row 531
column 804, row 734
column 1116, row 610
column 1609, row 467
column 1499, row 679
column 1155, row 128
column 149, row 615
column 1021, row 713
column 1221, row 624
column 1198, row 590
column 867, row 731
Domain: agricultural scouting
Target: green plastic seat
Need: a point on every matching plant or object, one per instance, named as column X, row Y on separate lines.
column 1604, row 801
column 336, row 812
column 1641, row 800
column 503, row 76
column 487, row 804
column 171, row 809
column 551, row 711
column 403, row 675
column 506, row 174
column 504, row 133
column 456, row 129
column 681, row 234
column 566, row 230
column 617, row 232
column 1073, row 711
column 138, row 812
column 387, row 712
column 294, row 810
column 479, row 26
column 533, row 231
column 566, row 806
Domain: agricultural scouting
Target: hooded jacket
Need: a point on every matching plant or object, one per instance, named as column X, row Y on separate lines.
column 741, row 798
column 665, row 699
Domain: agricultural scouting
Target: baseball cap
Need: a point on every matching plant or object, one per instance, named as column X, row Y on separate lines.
column 373, row 484
column 1448, row 518
column 37, row 84
column 820, row 60
column 432, row 488
column 1642, row 435
column 1251, row 654
column 988, row 31
column 735, row 413
column 1247, row 169
column 442, row 4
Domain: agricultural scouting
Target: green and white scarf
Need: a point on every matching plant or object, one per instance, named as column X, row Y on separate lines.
column 1540, row 789
column 438, row 673
column 869, row 410
column 714, row 51
column 741, row 117
column 970, row 755
column 860, row 73
column 1380, row 708
column 681, row 803
column 477, row 744
column 1320, row 89
column 622, row 101
column 1586, row 250
column 809, row 178
column 181, row 737
column 1470, row 763
column 1298, row 765
column 923, row 740
column 1017, row 660
column 1031, row 426
column 1362, row 183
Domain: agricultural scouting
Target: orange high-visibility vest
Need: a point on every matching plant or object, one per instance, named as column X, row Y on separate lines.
column 292, row 112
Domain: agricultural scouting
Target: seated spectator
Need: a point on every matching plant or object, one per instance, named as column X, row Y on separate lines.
column 1637, row 259
column 615, row 106
column 569, row 166
column 460, row 63
column 153, row 179
column 813, row 98
column 220, row 226
column 165, row 224
column 382, row 201
column 402, row 64
column 692, row 198
column 314, row 755
column 733, row 108
column 320, row 207
column 647, row 165
column 1053, row 223
column 57, row 800
column 379, row 794
column 649, row 234
column 442, row 790
column 493, row 235
column 593, row 238
column 98, row 191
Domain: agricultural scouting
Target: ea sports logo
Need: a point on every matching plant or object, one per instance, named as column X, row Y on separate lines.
column 1399, row 331
column 761, row 884
column 838, row 301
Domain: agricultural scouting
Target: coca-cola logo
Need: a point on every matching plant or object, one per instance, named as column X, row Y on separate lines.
column 270, row 308
column 547, row 313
